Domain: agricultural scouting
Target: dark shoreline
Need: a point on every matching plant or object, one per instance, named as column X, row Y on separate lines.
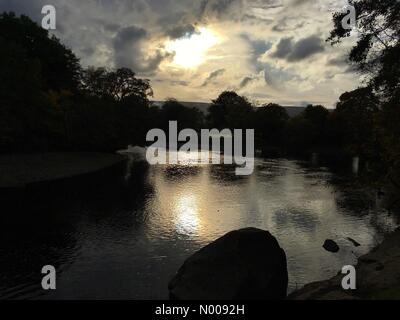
column 22, row 171
column 378, row 277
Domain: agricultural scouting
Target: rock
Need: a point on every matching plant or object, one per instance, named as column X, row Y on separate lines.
column 354, row 242
column 246, row 264
column 377, row 277
column 331, row 246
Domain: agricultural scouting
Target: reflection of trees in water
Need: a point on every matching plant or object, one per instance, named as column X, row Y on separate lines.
column 26, row 250
column 357, row 203
column 136, row 187
column 177, row 172
column 357, row 198
column 271, row 170
column 33, row 234
column 226, row 173
column 301, row 219
column 41, row 224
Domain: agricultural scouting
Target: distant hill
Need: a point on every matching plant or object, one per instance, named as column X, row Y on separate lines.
column 201, row 106
column 292, row 111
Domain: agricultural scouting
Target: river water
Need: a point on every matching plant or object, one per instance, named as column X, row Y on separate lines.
column 128, row 243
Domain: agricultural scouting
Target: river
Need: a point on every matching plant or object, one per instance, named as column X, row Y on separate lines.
column 128, row 244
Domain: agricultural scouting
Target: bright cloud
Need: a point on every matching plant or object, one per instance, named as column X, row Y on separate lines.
column 270, row 50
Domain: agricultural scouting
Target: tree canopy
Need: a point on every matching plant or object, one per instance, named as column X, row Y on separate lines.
column 377, row 50
column 59, row 67
column 116, row 84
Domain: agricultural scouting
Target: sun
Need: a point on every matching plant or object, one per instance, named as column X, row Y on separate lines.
column 190, row 51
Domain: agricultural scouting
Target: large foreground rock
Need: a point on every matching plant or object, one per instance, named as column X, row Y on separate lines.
column 244, row 264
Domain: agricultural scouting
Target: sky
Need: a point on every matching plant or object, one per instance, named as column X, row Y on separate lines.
column 192, row 50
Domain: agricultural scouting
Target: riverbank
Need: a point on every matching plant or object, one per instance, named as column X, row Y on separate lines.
column 18, row 171
column 378, row 277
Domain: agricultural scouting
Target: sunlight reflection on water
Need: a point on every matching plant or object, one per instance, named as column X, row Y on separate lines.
column 187, row 220
column 129, row 245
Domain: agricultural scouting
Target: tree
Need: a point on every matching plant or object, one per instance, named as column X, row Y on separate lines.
column 298, row 133
column 172, row 110
column 269, row 124
column 116, row 84
column 356, row 111
column 317, row 116
column 376, row 54
column 59, row 67
column 389, row 132
column 377, row 51
column 231, row 111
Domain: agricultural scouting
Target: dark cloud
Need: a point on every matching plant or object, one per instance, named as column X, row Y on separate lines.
column 342, row 62
column 306, row 47
column 222, row 9
column 33, row 9
column 286, row 24
column 258, row 48
column 279, row 77
column 276, row 77
column 180, row 83
column 130, row 52
column 297, row 3
column 266, row 4
column 109, row 26
column 173, row 82
column 245, row 81
column 338, row 61
column 213, row 75
column 295, row 51
column 181, row 31
column 283, row 48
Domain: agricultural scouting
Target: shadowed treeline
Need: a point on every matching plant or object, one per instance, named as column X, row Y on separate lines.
column 48, row 102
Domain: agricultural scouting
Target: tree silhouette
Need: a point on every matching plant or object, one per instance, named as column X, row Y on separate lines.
column 378, row 47
column 230, row 110
column 356, row 110
column 116, row 84
column 59, row 67
column 269, row 124
column 376, row 54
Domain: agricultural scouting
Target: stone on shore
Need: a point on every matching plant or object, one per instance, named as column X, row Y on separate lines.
column 354, row 242
column 246, row 264
column 331, row 246
column 378, row 277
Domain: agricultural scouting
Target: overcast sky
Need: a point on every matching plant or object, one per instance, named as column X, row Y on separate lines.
column 268, row 50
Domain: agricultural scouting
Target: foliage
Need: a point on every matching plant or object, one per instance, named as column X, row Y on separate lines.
column 59, row 67
column 376, row 54
column 269, row 124
column 230, row 110
column 115, row 84
column 377, row 49
column 48, row 102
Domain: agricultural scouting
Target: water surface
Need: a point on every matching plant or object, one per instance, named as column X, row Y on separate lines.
column 127, row 243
